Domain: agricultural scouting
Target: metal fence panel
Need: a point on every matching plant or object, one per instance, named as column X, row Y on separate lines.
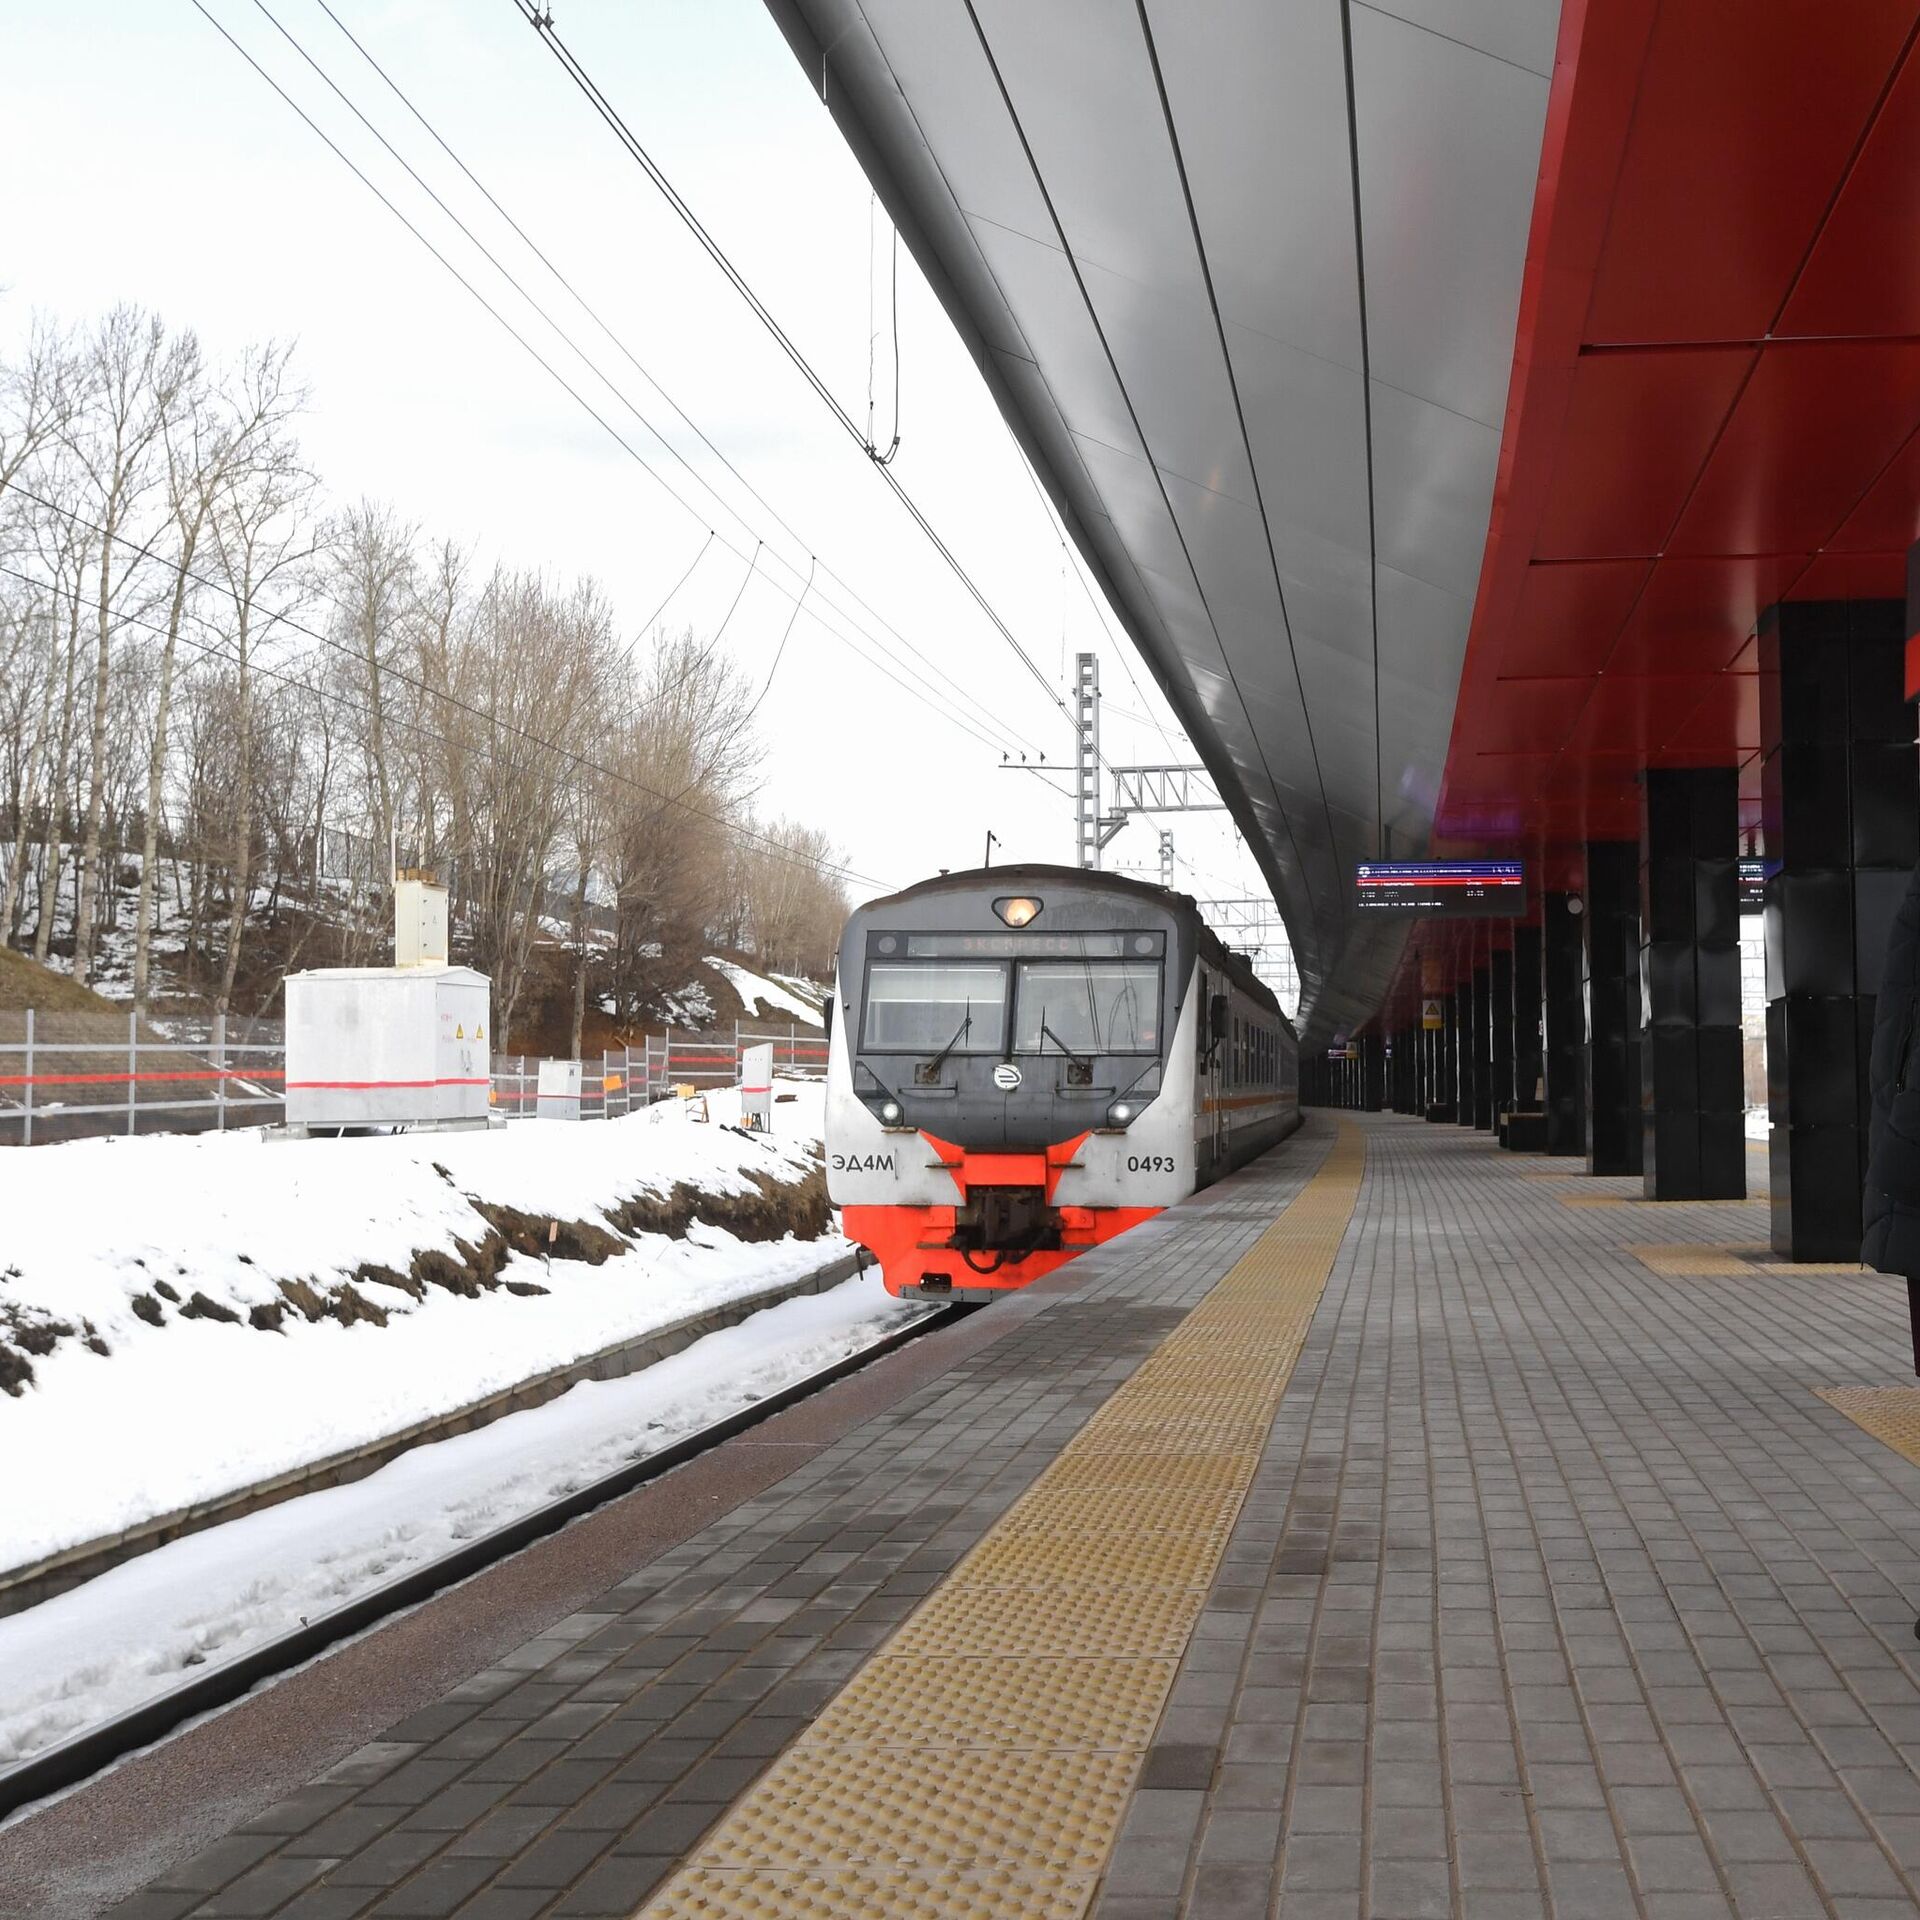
column 66, row 1076
column 71, row 1076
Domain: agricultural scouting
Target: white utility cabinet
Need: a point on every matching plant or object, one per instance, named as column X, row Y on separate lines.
column 756, row 1086
column 559, row 1090
column 379, row 1046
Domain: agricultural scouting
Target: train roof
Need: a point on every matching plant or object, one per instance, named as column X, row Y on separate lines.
column 1017, row 874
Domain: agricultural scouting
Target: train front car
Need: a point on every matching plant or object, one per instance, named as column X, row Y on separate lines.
column 1018, row 1058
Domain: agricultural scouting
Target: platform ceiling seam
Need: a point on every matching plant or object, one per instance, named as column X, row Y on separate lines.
column 1253, row 462
column 1166, row 500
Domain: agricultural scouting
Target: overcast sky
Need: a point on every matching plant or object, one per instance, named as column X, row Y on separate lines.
column 148, row 162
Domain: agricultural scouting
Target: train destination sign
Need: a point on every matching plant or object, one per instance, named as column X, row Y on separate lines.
column 1474, row 889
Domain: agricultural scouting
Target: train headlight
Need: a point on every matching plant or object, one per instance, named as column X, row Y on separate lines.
column 890, row 1112
column 1018, row 909
column 1120, row 1113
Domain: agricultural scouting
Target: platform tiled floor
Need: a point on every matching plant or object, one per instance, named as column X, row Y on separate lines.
column 1560, row 1591
column 571, row 1776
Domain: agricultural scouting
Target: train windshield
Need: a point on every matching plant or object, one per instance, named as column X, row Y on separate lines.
column 921, row 1008
column 1104, row 1006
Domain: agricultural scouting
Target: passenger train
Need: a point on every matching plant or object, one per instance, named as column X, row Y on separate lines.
column 1026, row 1061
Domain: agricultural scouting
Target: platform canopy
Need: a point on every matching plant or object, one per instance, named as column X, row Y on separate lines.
column 1243, row 277
column 1444, row 389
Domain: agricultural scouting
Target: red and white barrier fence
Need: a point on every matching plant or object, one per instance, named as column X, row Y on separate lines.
column 65, row 1077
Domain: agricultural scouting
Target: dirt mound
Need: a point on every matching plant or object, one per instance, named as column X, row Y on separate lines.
column 26, row 983
column 774, row 1209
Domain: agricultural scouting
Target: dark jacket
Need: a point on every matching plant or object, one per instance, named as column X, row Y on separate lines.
column 1891, row 1204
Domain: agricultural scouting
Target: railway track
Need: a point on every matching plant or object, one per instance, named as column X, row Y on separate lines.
column 210, row 1688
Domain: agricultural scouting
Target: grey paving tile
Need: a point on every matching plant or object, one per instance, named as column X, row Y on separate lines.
column 1556, row 1585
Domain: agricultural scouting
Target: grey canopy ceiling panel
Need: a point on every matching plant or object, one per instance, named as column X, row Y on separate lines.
column 1242, row 277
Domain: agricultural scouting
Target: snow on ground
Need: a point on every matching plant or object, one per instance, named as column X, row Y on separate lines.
column 194, row 1408
column 100, row 1650
column 755, row 991
column 692, row 1006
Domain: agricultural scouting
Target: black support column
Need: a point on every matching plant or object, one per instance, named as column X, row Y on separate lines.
column 1613, row 1006
column 1564, row 1018
column 1838, row 791
column 1464, row 1053
column 1526, row 1019
column 1500, row 989
column 1373, row 1070
column 1482, row 1048
column 1692, row 1088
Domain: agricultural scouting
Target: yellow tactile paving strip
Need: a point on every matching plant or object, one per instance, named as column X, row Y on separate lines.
column 980, row 1763
column 1890, row 1414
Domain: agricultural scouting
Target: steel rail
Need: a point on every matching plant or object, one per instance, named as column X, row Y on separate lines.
column 86, row 1754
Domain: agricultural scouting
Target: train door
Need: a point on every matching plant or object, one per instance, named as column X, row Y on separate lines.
column 1216, row 1052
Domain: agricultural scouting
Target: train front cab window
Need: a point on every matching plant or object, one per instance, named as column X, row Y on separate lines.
column 1087, row 1006
column 917, row 1006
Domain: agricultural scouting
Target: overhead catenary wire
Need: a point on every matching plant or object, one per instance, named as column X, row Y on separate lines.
column 921, row 693
column 672, row 593
column 712, row 647
column 873, row 445
column 1071, row 559
column 542, row 22
column 652, row 380
column 445, row 696
column 778, row 653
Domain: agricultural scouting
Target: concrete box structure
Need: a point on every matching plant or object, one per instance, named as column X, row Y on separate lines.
column 559, row 1090
column 380, row 1046
column 419, row 922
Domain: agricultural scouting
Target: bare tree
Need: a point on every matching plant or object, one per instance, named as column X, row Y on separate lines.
column 260, row 540
column 38, row 620
column 134, row 376
column 151, row 516
column 793, row 905
column 532, row 666
column 371, row 582
column 36, row 400
column 682, row 767
column 213, row 442
column 67, row 553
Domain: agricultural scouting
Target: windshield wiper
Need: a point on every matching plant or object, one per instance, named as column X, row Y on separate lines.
column 960, row 1032
column 1084, row 1061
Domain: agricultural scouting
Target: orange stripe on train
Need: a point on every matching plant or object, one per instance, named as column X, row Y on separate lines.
column 910, row 1243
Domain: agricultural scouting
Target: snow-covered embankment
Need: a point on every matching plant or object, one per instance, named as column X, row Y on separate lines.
column 181, row 1317
column 314, row 1296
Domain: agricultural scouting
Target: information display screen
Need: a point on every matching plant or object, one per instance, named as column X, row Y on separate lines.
column 1753, row 884
column 1018, row 946
column 1473, row 889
